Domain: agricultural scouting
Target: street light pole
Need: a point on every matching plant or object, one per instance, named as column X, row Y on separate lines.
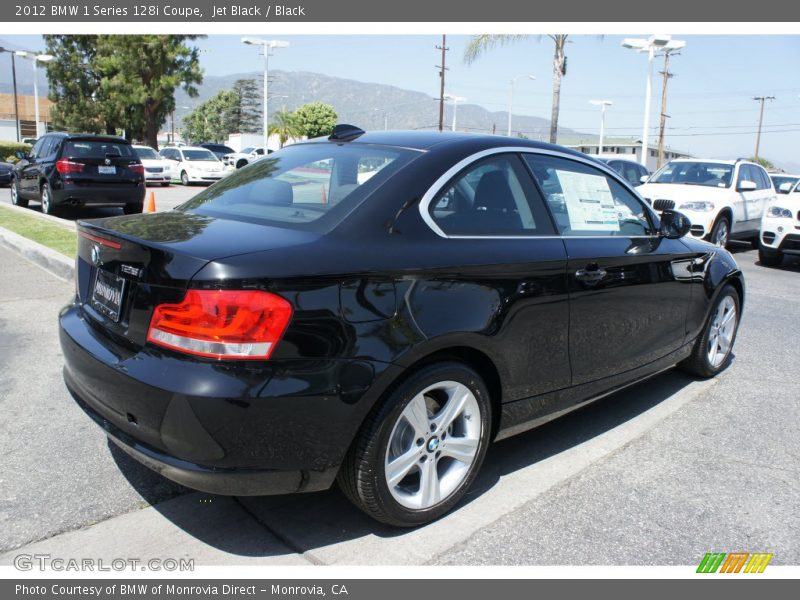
column 36, row 58
column 14, row 80
column 602, row 104
column 266, row 46
column 456, row 100
column 511, row 99
column 650, row 45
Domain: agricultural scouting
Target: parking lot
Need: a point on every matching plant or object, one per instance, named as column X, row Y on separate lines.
column 656, row 475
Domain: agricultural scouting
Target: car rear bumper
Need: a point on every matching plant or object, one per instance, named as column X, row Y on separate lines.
column 99, row 195
column 283, row 427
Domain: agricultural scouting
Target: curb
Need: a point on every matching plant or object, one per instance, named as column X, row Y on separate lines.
column 38, row 215
column 54, row 262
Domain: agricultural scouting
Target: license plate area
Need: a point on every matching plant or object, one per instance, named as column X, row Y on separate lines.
column 108, row 291
column 103, row 170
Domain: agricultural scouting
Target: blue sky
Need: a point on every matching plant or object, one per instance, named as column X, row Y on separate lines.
column 710, row 97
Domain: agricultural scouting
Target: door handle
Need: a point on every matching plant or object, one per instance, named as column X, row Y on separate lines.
column 591, row 276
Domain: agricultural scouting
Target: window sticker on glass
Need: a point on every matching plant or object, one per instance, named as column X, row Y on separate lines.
column 590, row 205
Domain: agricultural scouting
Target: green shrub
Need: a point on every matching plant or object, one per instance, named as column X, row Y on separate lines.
column 7, row 149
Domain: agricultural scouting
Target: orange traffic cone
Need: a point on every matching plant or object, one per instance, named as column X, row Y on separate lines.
column 151, row 203
column 322, row 197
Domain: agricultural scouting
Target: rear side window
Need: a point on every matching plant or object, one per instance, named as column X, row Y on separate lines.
column 96, row 149
column 492, row 197
column 306, row 186
column 587, row 202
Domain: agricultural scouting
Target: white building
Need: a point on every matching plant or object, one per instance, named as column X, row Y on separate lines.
column 630, row 149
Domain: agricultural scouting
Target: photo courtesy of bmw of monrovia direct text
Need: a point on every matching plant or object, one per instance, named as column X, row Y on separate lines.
column 342, row 299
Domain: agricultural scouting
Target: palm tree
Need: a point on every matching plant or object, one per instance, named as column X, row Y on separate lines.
column 284, row 126
column 481, row 43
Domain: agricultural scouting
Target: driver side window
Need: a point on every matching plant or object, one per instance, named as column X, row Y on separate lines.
column 587, row 202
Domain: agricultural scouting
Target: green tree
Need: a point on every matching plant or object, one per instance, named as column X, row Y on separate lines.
column 315, row 119
column 764, row 162
column 213, row 120
column 284, row 125
column 481, row 43
column 249, row 100
column 81, row 103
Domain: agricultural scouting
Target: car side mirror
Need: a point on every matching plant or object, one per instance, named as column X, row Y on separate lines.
column 674, row 225
column 644, row 178
column 746, row 186
column 786, row 187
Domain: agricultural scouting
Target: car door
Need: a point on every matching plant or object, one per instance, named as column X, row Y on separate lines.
column 31, row 169
column 765, row 197
column 511, row 266
column 628, row 299
column 748, row 200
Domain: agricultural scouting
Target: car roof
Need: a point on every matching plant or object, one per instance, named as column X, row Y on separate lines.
column 188, row 148
column 88, row 136
column 426, row 140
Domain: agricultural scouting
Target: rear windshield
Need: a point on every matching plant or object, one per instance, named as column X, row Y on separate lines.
column 146, row 153
column 198, row 155
column 694, row 173
column 311, row 187
column 96, row 149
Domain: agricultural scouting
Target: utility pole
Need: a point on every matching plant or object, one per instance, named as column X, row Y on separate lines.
column 16, row 102
column 664, row 116
column 442, row 68
column 762, row 100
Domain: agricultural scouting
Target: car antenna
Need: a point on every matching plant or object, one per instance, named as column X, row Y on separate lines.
column 345, row 133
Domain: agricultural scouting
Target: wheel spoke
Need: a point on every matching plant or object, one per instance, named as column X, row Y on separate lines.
column 712, row 354
column 729, row 316
column 460, row 448
column 429, row 484
column 454, row 407
column 416, row 413
column 397, row 470
column 724, row 342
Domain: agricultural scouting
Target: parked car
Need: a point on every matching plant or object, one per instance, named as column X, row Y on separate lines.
column 245, row 157
column 783, row 182
column 192, row 164
column 219, row 150
column 292, row 326
column 5, row 173
column 67, row 169
column 724, row 199
column 780, row 229
column 633, row 172
column 156, row 169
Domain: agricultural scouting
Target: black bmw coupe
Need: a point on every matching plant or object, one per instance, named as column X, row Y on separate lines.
column 376, row 308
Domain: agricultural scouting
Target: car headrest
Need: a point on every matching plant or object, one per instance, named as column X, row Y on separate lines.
column 494, row 193
column 273, row 193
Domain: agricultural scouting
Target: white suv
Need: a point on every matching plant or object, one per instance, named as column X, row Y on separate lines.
column 724, row 199
column 193, row 164
column 780, row 229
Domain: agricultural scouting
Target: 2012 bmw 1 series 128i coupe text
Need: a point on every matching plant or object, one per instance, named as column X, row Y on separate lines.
column 375, row 308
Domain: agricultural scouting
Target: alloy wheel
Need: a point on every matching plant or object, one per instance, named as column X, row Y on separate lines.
column 46, row 199
column 14, row 193
column 721, row 234
column 721, row 331
column 433, row 444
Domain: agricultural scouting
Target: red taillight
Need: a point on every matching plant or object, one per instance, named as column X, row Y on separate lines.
column 100, row 240
column 66, row 166
column 223, row 324
column 136, row 169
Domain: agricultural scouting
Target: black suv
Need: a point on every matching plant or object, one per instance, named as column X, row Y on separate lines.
column 79, row 169
column 219, row 150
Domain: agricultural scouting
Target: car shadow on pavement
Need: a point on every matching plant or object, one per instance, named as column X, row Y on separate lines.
column 317, row 520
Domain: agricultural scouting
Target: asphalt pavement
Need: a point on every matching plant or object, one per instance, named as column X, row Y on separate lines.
column 658, row 474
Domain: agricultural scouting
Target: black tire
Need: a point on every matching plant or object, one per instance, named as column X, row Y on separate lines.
column 46, row 198
column 362, row 476
column 722, row 226
column 241, row 163
column 184, row 178
column 770, row 259
column 16, row 199
column 133, row 208
column 699, row 363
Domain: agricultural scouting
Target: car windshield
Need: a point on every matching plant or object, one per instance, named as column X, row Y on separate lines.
column 146, row 153
column 311, row 187
column 96, row 149
column 695, row 173
column 779, row 180
column 247, row 150
column 198, row 155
